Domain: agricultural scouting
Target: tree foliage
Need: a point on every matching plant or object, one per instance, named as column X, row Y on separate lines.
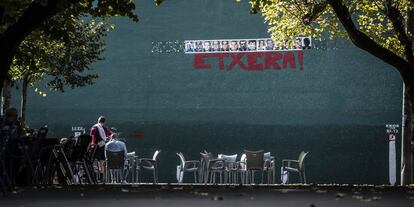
column 19, row 19
column 381, row 20
column 384, row 28
column 61, row 51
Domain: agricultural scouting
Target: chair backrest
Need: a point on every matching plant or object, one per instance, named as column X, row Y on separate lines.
column 42, row 132
column 69, row 148
column 81, row 146
column 207, row 155
column 38, row 143
column 154, row 157
column 267, row 156
column 115, row 160
column 228, row 158
column 301, row 158
column 254, row 160
column 182, row 159
column 243, row 161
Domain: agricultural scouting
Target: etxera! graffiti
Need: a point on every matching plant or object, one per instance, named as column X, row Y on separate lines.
column 251, row 61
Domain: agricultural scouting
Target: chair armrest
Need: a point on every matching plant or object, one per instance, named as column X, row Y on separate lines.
column 148, row 161
column 217, row 161
column 240, row 162
column 289, row 162
column 188, row 163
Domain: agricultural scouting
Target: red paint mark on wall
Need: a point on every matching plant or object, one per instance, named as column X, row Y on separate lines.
column 300, row 59
column 137, row 134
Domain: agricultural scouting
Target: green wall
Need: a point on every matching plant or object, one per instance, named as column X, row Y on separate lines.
column 336, row 108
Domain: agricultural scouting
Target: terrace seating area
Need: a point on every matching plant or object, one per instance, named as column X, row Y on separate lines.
column 251, row 167
column 72, row 161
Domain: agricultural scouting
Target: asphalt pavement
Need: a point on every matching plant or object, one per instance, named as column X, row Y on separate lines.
column 174, row 195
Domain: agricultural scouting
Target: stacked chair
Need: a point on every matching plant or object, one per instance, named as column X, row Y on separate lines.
column 230, row 168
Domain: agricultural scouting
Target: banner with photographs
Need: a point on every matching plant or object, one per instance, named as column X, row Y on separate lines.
column 245, row 45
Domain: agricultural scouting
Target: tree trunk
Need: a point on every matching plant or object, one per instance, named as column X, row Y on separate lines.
column 6, row 57
column 35, row 14
column 408, row 119
column 6, row 94
column 23, row 100
column 407, row 135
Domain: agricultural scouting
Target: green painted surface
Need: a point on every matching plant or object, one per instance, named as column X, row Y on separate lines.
column 336, row 108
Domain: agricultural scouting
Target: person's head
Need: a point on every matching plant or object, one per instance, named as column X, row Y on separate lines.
column 261, row 43
column 101, row 120
column 207, row 45
column 114, row 136
column 280, row 46
column 288, row 44
column 63, row 140
column 270, row 43
column 306, row 42
column 233, row 45
column 297, row 44
column 225, row 45
column 11, row 115
column 189, row 46
column 243, row 44
column 216, row 45
column 252, row 45
column 199, row 45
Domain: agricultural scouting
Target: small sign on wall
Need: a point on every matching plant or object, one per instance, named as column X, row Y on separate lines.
column 78, row 130
column 392, row 130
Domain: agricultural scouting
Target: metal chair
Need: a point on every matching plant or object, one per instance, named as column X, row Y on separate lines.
column 254, row 162
column 150, row 164
column 211, row 166
column 132, row 163
column 203, row 174
column 36, row 155
column 188, row 166
column 241, row 168
column 114, row 166
column 297, row 166
column 82, row 167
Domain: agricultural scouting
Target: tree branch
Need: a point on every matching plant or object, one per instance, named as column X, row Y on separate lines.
column 32, row 17
column 314, row 13
column 397, row 22
column 362, row 41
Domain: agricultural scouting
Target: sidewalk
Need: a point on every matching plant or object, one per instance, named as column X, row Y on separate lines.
column 174, row 195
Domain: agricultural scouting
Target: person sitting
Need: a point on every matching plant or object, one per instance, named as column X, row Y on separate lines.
column 115, row 145
column 11, row 125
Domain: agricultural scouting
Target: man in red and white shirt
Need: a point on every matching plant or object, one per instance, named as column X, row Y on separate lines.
column 100, row 135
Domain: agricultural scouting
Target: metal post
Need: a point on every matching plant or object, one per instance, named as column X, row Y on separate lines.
column 2, row 104
column 403, row 124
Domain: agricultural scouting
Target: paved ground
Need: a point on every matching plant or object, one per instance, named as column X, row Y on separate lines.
column 200, row 196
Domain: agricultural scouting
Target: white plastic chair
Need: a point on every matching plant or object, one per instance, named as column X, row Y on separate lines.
column 151, row 164
column 187, row 166
column 296, row 166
